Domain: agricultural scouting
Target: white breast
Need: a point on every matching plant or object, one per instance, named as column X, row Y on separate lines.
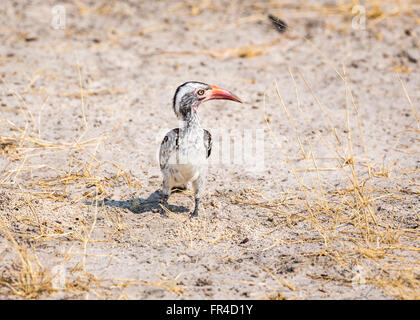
column 190, row 159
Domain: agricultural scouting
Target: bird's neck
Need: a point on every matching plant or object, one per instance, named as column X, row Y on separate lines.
column 193, row 122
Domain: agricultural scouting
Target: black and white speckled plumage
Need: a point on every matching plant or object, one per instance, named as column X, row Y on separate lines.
column 184, row 151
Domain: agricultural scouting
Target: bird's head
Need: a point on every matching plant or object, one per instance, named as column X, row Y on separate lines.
column 190, row 95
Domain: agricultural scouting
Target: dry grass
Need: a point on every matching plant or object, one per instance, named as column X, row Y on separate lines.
column 25, row 277
column 352, row 229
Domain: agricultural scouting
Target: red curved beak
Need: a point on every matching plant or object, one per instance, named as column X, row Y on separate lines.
column 219, row 93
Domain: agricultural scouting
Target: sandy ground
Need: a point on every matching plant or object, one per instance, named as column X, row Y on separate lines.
column 332, row 212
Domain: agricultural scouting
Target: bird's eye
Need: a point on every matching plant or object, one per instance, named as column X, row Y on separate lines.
column 200, row 92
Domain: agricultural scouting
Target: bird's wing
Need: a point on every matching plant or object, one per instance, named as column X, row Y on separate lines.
column 168, row 146
column 207, row 142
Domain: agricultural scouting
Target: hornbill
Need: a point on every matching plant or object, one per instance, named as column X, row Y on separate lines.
column 184, row 151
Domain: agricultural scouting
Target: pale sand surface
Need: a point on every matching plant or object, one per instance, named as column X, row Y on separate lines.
column 333, row 213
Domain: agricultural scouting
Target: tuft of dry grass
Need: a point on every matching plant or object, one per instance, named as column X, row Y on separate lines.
column 24, row 277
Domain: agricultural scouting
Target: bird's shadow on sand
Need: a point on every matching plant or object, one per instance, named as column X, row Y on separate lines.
column 140, row 205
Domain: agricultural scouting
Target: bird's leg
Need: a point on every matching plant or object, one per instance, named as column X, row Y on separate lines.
column 164, row 195
column 195, row 212
column 197, row 186
column 163, row 202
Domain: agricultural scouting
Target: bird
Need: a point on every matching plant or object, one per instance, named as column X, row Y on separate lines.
column 279, row 24
column 184, row 151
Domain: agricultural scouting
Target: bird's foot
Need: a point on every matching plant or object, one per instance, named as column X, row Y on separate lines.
column 163, row 213
column 195, row 212
column 162, row 206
